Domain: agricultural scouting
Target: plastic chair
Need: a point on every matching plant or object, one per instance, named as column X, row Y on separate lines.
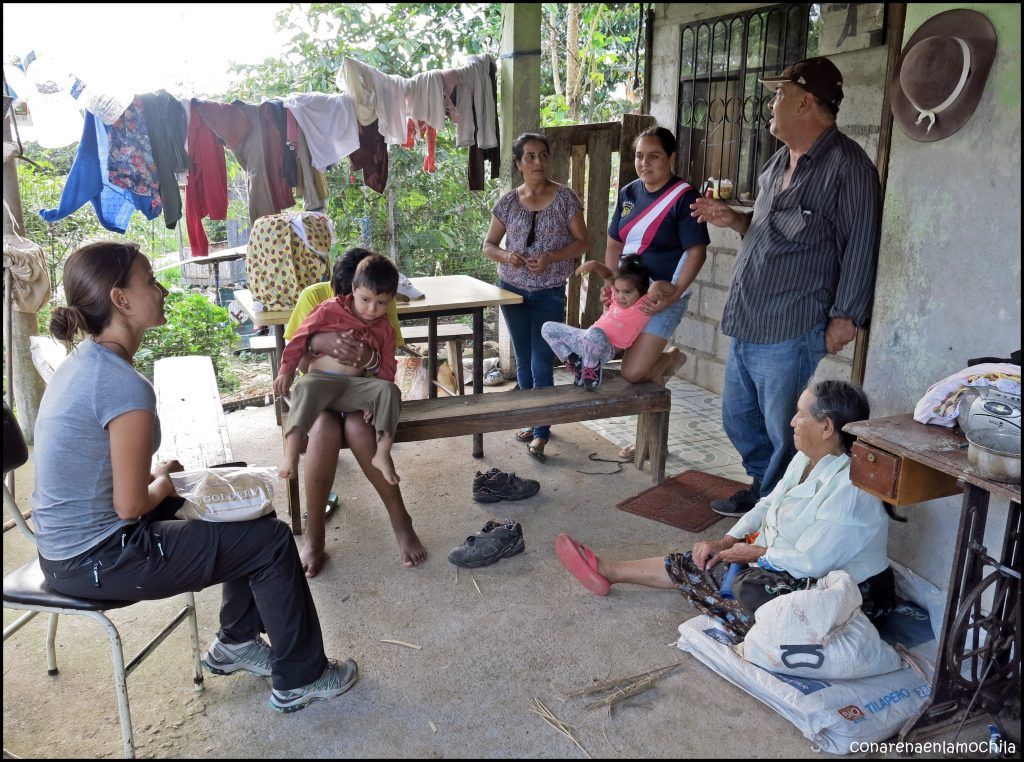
column 25, row 589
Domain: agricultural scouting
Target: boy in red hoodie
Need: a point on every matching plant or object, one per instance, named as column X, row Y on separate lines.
column 329, row 385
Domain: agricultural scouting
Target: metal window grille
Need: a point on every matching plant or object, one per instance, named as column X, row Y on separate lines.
column 722, row 123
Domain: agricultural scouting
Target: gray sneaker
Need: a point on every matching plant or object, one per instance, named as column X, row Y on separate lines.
column 335, row 680
column 491, row 544
column 224, row 658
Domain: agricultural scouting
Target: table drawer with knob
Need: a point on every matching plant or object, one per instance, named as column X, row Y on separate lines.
column 895, row 479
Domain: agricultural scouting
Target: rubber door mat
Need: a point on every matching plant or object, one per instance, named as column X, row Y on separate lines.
column 683, row 500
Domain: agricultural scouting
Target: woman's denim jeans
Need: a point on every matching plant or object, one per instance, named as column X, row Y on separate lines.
column 535, row 360
column 762, row 384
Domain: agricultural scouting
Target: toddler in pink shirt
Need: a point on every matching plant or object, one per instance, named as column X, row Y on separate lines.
column 584, row 350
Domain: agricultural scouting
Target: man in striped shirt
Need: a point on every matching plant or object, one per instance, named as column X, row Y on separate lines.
column 805, row 272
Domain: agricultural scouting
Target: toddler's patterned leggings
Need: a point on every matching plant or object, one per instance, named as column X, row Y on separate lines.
column 591, row 344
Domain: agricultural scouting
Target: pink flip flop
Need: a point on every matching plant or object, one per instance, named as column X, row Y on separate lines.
column 581, row 563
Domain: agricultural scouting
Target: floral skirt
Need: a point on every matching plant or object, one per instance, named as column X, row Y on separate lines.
column 702, row 590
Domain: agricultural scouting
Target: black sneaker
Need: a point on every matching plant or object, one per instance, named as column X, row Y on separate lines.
column 591, row 378
column 574, row 365
column 738, row 503
column 492, row 543
column 480, row 478
column 490, row 488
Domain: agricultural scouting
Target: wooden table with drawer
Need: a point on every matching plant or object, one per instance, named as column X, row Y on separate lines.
column 903, row 462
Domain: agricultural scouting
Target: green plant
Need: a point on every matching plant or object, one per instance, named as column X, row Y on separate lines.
column 194, row 327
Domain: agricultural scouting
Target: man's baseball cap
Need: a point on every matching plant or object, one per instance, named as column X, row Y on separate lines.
column 818, row 76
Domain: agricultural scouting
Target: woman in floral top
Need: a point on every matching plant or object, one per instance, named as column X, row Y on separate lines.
column 542, row 224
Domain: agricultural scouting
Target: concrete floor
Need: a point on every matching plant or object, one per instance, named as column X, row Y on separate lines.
column 531, row 631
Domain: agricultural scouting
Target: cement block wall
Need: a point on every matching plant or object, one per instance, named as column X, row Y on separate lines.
column 949, row 275
column 699, row 335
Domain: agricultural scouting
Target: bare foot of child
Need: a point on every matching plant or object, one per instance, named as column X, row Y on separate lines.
column 412, row 550
column 312, row 559
column 383, row 463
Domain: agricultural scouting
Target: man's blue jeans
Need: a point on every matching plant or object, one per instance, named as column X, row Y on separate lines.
column 535, row 360
column 762, row 385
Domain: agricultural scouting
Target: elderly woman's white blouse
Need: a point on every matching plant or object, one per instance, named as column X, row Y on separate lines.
column 820, row 525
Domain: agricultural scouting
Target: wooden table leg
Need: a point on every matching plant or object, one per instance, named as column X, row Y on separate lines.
column 275, row 363
column 478, row 371
column 652, row 442
column 294, row 505
column 431, row 357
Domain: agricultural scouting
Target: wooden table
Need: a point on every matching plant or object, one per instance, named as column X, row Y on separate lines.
column 978, row 666
column 214, row 261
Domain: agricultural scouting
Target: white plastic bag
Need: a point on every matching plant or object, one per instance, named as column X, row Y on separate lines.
column 226, row 494
column 411, row 377
column 820, row 633
column 47, row 355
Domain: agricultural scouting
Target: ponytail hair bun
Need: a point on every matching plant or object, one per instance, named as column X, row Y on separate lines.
column 66, row 323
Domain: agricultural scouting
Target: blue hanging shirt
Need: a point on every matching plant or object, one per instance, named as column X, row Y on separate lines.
column 89, row 180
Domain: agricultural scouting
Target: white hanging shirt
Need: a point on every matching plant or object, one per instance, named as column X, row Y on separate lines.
column 328, row 122
column 820, row 525
column 475, row 101
column 425, row 101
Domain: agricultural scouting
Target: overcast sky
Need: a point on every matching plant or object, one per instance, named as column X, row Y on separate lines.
column 141, row 47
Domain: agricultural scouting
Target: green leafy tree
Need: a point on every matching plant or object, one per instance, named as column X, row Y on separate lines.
column 590, row 61
column 194, row 327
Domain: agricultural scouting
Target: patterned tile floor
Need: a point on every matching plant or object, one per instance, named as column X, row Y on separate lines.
column 695, row 436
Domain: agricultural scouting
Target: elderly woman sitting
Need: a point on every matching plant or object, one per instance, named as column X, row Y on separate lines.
column 813, row 522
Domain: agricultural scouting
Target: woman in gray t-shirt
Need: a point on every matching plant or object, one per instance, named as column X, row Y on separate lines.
column 542, row 224
column 104, row 519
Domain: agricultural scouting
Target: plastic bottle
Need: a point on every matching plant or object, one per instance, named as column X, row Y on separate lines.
column 712, row 186
column 726, row 589
column 725, row 189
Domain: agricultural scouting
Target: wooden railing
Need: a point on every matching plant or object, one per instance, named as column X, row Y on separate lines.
column 581, row 156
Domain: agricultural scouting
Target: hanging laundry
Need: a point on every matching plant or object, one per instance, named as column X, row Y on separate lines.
column 272, row 129
column 310, row 184
column 478, row 155
column 350, row 80
column 329, row 124
column 475, row 96
column 130, row 164
column 451, row 79
column 228, row 121
column 371, row 157
column 280, row 113
column 425, row 99
column 428, row 133
column 168, row 131
column 207, row 191
column 389, row 91
column 89, row 180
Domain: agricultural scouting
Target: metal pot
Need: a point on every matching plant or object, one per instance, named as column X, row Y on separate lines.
column 995, row 454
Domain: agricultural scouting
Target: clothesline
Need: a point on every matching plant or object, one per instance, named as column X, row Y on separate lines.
column 137, row 158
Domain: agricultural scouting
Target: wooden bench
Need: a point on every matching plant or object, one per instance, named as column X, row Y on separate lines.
column 501, row 411
column 192, row 424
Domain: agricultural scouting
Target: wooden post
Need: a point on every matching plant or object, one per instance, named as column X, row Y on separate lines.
column 28, row 386
column 392, row 239
column 519, row 111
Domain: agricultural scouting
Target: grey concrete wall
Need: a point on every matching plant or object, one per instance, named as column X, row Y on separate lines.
column 864, row 77
column 948, row 285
